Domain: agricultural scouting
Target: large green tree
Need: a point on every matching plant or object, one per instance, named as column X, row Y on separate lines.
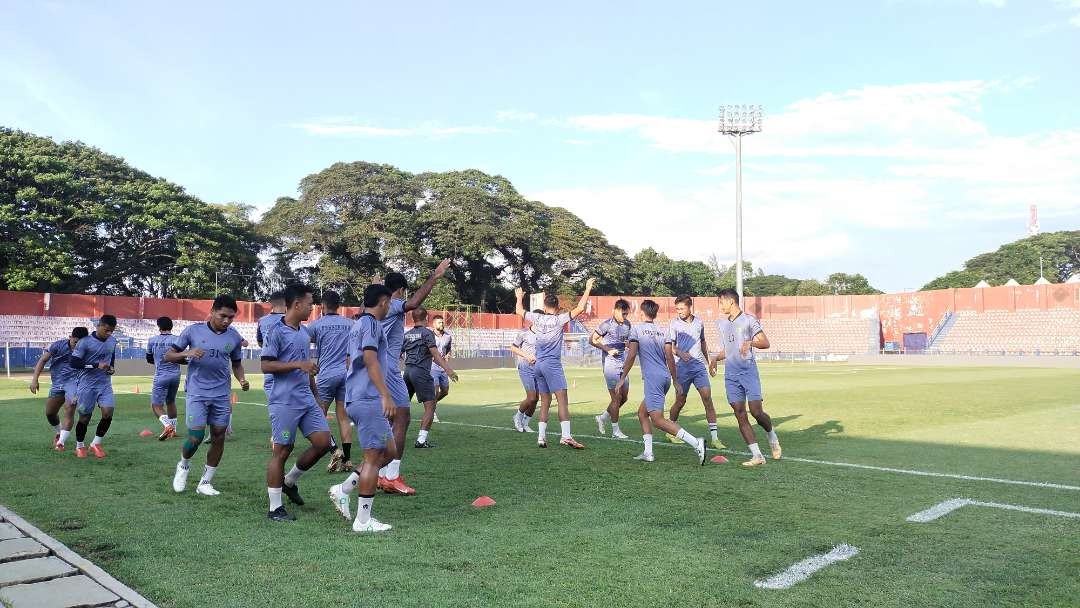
column 74, row 219
column 1060, row 253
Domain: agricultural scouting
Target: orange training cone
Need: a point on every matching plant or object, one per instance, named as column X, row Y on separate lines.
column 718, row 459
column 146, row 433
column 483, row 501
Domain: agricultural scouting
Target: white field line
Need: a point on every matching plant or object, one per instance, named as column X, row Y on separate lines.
column 850, row 465
column 944, row 508
column 800, row 571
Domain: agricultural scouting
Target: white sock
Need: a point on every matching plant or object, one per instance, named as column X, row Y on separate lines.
column 63, row 436
column 208, row 474
column 275, row 498
column 185, row 463
column 687, row 437
column 363, row 509
column 525, row 420
column 164, row 420
column 712, row 430
column 172, row 422
column 564, row 426
column 350, row 483
column 422, row 437
column 393, row 470
column 773, row 440
column 755, row 450
column 615, row 428
column 541, row 430
column 648, row 442
column 606, row 417
column 96, row 441
column 293, row 476
column 80, row 444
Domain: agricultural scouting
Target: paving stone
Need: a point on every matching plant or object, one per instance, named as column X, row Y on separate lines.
column 8, row 531
column 31, row 570
column 21, row 548
column 66, row 592
column 122, row 604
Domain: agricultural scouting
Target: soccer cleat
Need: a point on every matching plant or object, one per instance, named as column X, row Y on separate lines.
column 645, row 457
column 80, row 452
column 435, row 418
column 95, row 449
column 517, row 423
column 756, row 461
column 179, row 480
column 205, row 489
column 716, row 444
column 56, row 439
column 347, row 467
column 381, row 483
column 619, row 435
column 525, row 428
column 700, row 449
column 167, row 432
column 371, row 525
column 776, row 452
column 418, row 445
column 674, row 439
column 293, row 492
column 59, row 447
column 571, row 442
column 336, row 460
column 340, row 500
column 280, row 514
column 398, row 486
column 541, row 442
column 600, row 424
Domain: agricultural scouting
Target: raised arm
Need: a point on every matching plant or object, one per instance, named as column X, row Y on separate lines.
column 580, row 308
column 519, row 307
column 418, row 296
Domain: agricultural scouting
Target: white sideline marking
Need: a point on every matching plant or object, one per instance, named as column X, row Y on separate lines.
column 944, row 508
column 850, row 465
column 800, row 571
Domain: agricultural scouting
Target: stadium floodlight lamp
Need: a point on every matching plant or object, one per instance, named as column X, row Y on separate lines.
column 735, row 122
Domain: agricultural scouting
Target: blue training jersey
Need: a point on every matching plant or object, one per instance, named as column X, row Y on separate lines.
column 652, row 357
column 265, row 324
column 687, row 337
column 614, row 335
column 394, row 327
column 443, row 343
column 90, row 352
column 367, row 334
column 331, row 335
column 60, row 361
column 549, row 330
column 209, row 377
column 288, row 344
column 156, row 347
column 734, row 333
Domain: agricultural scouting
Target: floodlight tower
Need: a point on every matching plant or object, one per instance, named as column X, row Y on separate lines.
column 736, row 121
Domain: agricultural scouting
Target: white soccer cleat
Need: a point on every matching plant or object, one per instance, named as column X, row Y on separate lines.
column 179, row 480
column 619, row 435
column 517, row 423
column 600, row 424
column 371, row 525
column 340, row 500
column 205, row 489
column 525, row 428
column 645, row 456
column 435, row 418
column 700, row 449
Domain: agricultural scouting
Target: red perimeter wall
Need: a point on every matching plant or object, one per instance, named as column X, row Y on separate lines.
column 917, row 312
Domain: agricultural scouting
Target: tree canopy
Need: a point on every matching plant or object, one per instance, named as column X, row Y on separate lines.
column 1019, row 260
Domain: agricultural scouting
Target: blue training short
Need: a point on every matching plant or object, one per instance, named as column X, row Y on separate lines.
column 698, row 375
column 742, row 386
column 549, row 375
column 656, row 393
column 200, row 411
column 89, row 395
column 330, row 388
column 612, row 373
column 164, row 390
column 56, row 389
column 530, row 380
column 286, row 418
column 440, row 377
column 372, row 428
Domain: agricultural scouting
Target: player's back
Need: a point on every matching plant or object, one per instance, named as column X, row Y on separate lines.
column 60, row 359
column 157, row 346
column 417, row 347
column 652, row 356
column 367, row 333
column 393, row 325
column 549, row 330
column 265, row 324
column 331, row 334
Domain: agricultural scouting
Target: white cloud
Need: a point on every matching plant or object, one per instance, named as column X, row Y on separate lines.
column 516, row 116
column 1072, row 6
column 353, row 128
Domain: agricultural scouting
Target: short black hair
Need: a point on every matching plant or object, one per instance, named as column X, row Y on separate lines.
column 296, row 291
column 551, row 300
column 622, row 305
column 436, row 318
column 224, row 301
column 277, row 297
column 164, row 323
column 373, row 294
column 109, row 320
column 356, row 316
column 395, row 281
column 80, row 332
column 419, row 314
column 730, row 294
column 331, row 299
column 684, row 299
column 649, row 309
column 539, row 311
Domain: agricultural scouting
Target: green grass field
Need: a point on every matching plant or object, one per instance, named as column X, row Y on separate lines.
column 594, row 527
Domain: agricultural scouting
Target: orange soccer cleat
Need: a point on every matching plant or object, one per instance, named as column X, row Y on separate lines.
column 169, row 431
column 571, row 442
column 398, row 486
column 80, row 452
column 59, row 447
column 97, row 451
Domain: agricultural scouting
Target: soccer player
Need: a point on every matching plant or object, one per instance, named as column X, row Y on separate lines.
column 287, row 355
column 549, row 328
column 742, row 333
column 62, row 384
column 687, row 335
column 524, row 347
column 265, row 324
column 652, row 345
column 370, row 405
column 59, row 372
column 166, row 377
column 610, row 337
column 393, row 324
column 212, row 351
column 331, row 335
column 93, row 358
column 421, row 357
column 444, row 341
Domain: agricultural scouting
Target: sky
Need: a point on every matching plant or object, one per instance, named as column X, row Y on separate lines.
column 900, row 137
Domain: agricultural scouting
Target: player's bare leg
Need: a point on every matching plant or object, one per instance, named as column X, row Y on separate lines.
column 393, row 482
column 710, row 417
column 564, row 421
column 616, row 399
column 765, row 422
column 365, row 480
column 345, row 434
column 748, row 436
column 425, row 425
column 525, row 410
column 52, row 414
